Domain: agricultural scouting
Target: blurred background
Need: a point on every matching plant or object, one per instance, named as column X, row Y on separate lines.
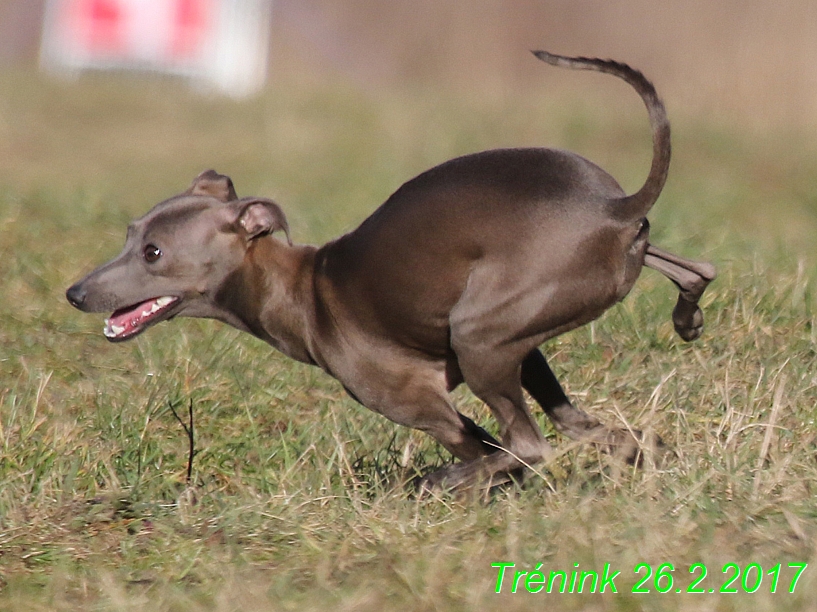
column 754, row 58
column 303, row 98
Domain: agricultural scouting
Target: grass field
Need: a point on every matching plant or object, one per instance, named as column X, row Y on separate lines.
column 295, row 502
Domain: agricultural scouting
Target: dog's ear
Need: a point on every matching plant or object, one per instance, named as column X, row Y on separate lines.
column 213, row 184
column 258, row 217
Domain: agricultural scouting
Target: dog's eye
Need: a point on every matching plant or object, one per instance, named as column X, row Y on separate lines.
column 152, row 253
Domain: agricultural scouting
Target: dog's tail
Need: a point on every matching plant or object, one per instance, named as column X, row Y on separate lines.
column 637, row 205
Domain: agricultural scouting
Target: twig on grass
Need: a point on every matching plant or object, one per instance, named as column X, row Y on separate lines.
column 188, row 429
column 767, row 438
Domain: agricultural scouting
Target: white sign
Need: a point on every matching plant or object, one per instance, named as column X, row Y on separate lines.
column 223, row 43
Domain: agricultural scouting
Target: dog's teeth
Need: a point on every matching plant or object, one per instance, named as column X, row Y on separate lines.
column 157, row 306
column 112, row 331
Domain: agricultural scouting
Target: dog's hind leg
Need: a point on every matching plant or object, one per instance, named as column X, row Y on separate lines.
column 494, row 377
column 691, row 278
column 538, row 380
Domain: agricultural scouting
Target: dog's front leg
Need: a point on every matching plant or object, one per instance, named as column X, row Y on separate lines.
column 413, row 392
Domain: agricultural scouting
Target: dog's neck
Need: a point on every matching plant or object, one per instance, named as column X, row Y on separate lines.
column 271, row 296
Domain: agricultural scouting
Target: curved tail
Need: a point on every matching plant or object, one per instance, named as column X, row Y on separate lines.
column 638, row 204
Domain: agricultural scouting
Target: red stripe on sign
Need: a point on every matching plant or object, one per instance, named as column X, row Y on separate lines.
column 104, row 25
column 189, row 28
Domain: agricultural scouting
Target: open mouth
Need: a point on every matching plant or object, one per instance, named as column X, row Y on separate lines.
column 126, row 323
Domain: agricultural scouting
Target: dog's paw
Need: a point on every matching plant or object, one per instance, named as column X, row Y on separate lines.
column 688, row 319
column 631, row 446
column 430, row 483
column 471, row 475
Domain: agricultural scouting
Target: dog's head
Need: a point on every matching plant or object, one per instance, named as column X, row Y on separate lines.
column 177, row 257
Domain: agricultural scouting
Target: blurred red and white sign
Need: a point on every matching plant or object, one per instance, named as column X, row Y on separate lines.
column 220, row 42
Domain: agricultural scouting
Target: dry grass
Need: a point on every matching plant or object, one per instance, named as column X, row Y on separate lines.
column 295, row 503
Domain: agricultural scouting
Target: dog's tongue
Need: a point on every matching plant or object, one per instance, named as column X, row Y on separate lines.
column 125, row 322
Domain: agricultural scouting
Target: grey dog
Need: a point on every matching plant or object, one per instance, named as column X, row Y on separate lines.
column 458, row 277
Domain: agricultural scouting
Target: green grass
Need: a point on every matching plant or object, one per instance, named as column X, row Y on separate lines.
column 296, row 500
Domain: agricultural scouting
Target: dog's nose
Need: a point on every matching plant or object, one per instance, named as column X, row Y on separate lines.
column 76, row 295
